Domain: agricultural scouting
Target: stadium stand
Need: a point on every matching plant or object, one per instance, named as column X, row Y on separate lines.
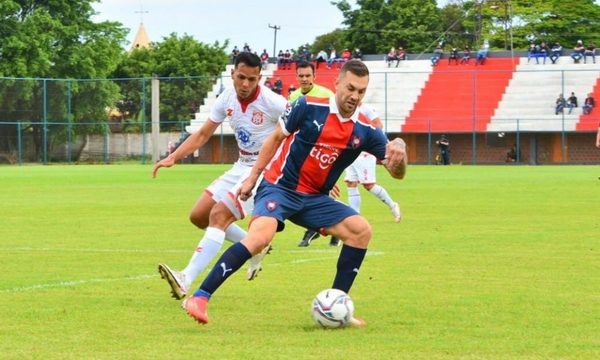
column 501, row 96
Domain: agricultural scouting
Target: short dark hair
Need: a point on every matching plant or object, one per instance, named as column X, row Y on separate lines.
column 304, row 64
column 355, row 66
column 248, row 58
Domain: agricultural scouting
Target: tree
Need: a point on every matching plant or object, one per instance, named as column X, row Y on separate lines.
column 376, row 25
column 187, row 69
column 53, row 39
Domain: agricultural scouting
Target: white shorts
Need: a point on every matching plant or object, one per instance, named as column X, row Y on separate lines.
column 224, row 189
column 362, row 170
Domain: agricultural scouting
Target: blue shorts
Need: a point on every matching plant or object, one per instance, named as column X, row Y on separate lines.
column 312, row 211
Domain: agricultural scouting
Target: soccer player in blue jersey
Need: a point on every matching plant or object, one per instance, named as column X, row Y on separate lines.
column 302, row 160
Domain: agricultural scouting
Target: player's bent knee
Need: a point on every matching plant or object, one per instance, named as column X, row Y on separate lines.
column 220, row 216
column 198, row 220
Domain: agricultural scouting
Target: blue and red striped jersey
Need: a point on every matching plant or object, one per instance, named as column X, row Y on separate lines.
column 320, row 144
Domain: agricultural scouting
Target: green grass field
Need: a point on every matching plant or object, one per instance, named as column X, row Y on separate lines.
column 488, row 263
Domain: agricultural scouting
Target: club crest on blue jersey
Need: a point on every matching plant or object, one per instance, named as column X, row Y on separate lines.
column 355, row 142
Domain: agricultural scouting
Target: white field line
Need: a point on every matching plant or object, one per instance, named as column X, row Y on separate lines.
column 66, row 284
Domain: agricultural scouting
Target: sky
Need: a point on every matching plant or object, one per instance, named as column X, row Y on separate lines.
column 239, row 21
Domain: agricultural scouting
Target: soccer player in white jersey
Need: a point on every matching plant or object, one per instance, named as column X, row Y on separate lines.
column 253, row 111
column 361, row 171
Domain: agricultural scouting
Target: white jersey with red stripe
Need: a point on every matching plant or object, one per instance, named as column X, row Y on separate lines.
column 362, row 170
column 252, row 121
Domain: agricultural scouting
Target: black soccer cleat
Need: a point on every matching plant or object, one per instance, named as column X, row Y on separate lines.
column 334, row 241
column 309, row 236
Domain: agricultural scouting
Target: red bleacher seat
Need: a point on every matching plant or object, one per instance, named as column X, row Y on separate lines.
column 449, row 102
column 590, row 121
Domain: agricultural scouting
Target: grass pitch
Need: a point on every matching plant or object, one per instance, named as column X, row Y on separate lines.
column 488, row 263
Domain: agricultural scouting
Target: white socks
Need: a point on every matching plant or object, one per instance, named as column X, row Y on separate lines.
column 382, row 195
column 207, row 249
column 234, row 233
column 354, row 199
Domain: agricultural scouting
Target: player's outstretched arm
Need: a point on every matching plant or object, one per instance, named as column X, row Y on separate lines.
column 267, row 151
column 395, row 156
column 598, row 138
column 193, row 142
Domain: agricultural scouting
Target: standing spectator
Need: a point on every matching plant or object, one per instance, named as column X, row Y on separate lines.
column 321, row 58
column 542, row 52
column 287, row 60
column 588, row 104
column 556, row 52
column 590, row 50
column 234, row 53
column 578, row 52
column 264, row 58
column 438, row 53
column 246, row 48
column 280, row 60
column 481, row 55
column 572, row 102
column 444, row 147
column 453, row 56
column 357, row 54
column 466, row 55
column 560, row 105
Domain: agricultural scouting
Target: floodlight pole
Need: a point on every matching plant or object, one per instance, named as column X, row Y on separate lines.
column 275, row 28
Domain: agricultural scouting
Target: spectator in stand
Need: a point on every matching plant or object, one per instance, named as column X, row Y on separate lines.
column 357, row 54
column 560, row 105
column 481, row 55
column 287, row 60
column 512, row 155
column 346, row 55
column 532, row 52
column 264, row 58
column 280, row 60
column 234, row 53
column 278, row 86
column 392, row 56
column 401, row 54
column 453, row 56
column 332, row 58
column 588, row 104
column 590, row 50
column 556, row 52
column 578, row 52
column 321, row 58
column 572, row 102
column 291, row 89
column 466, row 55
column 542, row 52
column 438, row 53
column 444, row 149
column 268, row 84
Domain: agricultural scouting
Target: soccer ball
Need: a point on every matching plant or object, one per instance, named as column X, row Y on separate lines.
column 332, row 308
